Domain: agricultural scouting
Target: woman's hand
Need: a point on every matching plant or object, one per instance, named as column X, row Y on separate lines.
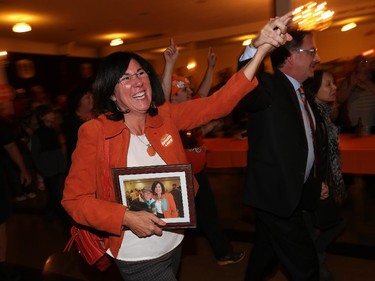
column 324, row 194
column 142, row 223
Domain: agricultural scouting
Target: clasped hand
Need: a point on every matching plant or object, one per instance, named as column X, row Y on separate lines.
column 273, row 34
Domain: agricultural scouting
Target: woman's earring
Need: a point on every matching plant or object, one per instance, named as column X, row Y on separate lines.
column 120, row 110
column 153, row 110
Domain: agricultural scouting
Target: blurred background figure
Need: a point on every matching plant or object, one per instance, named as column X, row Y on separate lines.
column 233, row 125
column 80, row 105
column 357, row 96
column 9, row 149
column 177, row 195
column 49, row 157
column 205, row 203
column 16, row 127
column 222, row 76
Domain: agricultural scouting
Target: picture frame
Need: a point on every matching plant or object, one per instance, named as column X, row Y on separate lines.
column 167, row 191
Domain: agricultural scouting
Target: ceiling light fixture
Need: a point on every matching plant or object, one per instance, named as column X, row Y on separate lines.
column 368, row 52
column 313, row 16
column 116, row 42
column 348, row 26
column 21, row 27
column 246, row 42
column 191, row 65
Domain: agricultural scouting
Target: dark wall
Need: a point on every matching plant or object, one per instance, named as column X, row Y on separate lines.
column 56, row 74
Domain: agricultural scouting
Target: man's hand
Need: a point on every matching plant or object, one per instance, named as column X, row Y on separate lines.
column 142, row 223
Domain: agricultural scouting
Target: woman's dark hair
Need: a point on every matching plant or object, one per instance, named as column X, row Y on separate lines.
column 312, row 85
column 155, row 183
column 279, row 55
column 76, row 95
column 112, row 68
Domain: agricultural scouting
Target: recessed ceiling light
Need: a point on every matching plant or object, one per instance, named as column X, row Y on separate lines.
column 348, row 26
column 21, row 27
column 116, row 42
column 191, row 65
column 368, row 52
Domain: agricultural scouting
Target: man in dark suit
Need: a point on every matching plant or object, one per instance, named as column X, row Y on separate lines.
column 280, row 180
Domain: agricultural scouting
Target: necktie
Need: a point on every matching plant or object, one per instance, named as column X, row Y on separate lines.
column 311, row 121
column 309, row 114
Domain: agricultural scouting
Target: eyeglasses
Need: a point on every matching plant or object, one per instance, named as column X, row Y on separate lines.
column 311, row 51
column 128, row 77
column 363, row 61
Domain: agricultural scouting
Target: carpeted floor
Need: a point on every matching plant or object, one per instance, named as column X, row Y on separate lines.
column 36, row 241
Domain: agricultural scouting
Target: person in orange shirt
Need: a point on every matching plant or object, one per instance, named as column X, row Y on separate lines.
column 165, row 204
column 179, row 91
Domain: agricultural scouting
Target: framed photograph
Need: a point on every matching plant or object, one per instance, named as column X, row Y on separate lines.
column 166, row 191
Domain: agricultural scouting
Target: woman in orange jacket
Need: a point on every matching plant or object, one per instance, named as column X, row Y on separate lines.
column 137, row 127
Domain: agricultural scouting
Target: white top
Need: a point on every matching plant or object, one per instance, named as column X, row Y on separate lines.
column 134, row 248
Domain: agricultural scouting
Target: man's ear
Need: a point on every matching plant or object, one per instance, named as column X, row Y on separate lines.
column 290, row 59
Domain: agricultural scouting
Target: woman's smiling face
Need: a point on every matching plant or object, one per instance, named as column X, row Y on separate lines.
column 133, row 91
column 158, row 189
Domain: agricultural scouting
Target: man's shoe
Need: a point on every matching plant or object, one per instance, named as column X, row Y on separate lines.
column 232, row 257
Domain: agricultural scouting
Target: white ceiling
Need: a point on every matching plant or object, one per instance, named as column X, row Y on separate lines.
column 148, row 24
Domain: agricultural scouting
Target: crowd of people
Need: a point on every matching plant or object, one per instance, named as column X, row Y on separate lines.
column 33, row 156
column 291, row 118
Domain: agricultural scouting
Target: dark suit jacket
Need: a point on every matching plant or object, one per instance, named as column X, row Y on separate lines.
column 277, row 149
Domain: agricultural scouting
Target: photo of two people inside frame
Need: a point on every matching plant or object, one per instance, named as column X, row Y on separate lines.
column 165, row 191
column 162, row 197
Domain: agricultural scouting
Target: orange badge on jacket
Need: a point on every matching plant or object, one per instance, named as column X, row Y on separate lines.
column 166, row 140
